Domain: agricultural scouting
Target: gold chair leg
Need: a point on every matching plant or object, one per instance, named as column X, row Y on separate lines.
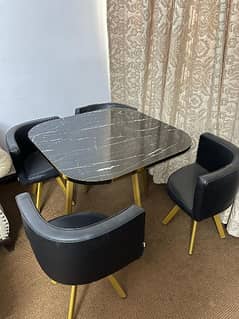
column 136, row 189
column 61, row 183
column 34, row 189
column 171, row 215
column 190, row 251
column 117, row 287
column 219, row 226
column 69, row 195
column 72, row 302
column 38, row 195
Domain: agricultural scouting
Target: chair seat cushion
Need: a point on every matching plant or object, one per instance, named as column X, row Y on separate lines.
column 181, row 186
column 36, row 169
column 77, row 220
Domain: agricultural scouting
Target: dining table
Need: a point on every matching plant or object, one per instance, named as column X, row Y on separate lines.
column 104, row 145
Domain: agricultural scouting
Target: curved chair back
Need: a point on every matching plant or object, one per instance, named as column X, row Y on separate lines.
column 18, row 143
column 82, row 255
column 101, row 106
column 216, row 190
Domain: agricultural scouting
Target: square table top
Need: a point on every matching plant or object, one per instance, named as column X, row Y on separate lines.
column 103, row 145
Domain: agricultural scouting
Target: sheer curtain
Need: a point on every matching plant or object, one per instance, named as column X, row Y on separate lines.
column 179, row 61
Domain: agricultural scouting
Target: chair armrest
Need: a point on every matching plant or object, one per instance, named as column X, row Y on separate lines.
column 13, row 148
column 21, row 130
column 85, row 254
column 11, row 141
column 101, row 106
column 215, row 192
column 31, row 215
column 214, row 152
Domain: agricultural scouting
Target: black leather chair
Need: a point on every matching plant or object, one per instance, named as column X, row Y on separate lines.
column 207, row 187
column 81, row 248
column 31, row 166
column 101, row 106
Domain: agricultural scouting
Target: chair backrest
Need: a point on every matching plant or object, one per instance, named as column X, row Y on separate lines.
column 101, row 106
column 18, row 143
column 216, row 190
column 83, row 255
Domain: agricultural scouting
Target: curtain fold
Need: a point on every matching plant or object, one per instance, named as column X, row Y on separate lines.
column 178, row 61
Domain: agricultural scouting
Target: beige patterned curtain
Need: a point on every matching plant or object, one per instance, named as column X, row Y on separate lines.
column 178, row 61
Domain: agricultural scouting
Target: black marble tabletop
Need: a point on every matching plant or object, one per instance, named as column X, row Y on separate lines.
column 103, row 145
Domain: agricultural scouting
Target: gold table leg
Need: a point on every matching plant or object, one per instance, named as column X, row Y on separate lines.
column 69, row 195
column 171, row 215
column 61, row 183
column 72, row 302
column 192, row 237
column 143, row 176
column 117, row 287
column 38, row 195
column 136, row 189
column 219, row 226
column 84, row 188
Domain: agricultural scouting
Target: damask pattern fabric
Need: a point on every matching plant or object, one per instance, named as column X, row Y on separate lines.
column 178, row 61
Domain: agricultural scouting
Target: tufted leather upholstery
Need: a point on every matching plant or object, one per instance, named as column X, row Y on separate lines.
column 31, row 166
column 83, row 247
column 97, row 107
column 208, row 186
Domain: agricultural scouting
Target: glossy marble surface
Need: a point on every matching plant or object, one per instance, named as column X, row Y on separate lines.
column 103, row 145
